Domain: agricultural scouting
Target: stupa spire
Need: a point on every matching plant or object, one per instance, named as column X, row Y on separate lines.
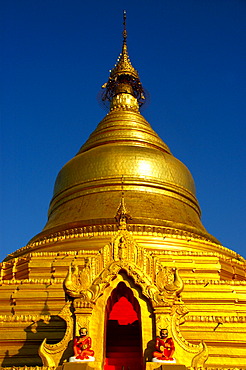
column 123, row 64
column 124, row 89
column 124, row 24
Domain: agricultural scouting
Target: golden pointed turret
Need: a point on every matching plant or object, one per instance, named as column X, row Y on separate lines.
column 124, row 89
column 123, row 65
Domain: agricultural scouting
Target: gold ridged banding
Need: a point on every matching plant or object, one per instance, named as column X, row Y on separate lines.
column 113, row 185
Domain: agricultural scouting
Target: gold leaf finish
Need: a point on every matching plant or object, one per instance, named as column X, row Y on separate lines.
column 123, row 214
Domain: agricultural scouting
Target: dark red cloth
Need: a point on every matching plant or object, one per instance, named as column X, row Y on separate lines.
column 81, row 347
column 164, row 349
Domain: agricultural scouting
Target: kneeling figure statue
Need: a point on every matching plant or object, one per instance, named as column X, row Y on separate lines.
column 82, row 347
column 164, row 348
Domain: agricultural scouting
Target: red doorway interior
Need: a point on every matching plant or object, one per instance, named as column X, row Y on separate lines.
column 123, row 331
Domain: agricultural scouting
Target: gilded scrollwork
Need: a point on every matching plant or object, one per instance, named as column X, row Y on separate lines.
column 196, row 353
column 162, row 321
column 199, row 360
column 52, row 353
column 123, row 253
column 169, row 282
column 78, row 280
column 160, row 284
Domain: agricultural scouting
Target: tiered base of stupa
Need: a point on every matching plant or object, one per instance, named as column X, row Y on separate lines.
column 212, row 309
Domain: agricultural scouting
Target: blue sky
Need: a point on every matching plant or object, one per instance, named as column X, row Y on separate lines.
column 56, row 54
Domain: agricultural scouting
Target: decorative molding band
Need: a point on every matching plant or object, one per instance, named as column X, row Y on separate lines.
column 32, row 281
column 26, row 257
column 24, row 318
column 215, row 282
column 109, row 229
column 61, row 280
column 216, row 368
column 216, row 319
column 143, row 230
column 236, row 259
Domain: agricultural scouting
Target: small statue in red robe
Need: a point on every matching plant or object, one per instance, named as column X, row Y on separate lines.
column 164, row 347
column 82, row 345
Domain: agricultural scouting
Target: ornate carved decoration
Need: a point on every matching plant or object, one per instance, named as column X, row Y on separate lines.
column 162, row 286
column 52, row 353
column 199, row 360
column 192, row 354
column 32, row 281
column 97, row 230
column 217, row 319
column 122, row 216
column 81, row 303
column 24, row 318
column 171, row 319
column 78, row 280
column 89, row 275
column 168, row 279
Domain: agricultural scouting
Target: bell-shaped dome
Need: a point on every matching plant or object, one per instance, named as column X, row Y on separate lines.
column 124, row 154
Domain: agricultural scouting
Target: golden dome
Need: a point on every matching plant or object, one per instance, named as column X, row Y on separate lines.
column 122, row 145
column 124, row 153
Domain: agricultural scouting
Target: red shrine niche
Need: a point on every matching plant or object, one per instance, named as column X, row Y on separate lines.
column 123, row 330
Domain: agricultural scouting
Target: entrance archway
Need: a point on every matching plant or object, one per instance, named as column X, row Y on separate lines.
column 123, row 330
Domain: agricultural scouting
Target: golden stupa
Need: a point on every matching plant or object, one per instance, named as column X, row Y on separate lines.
column 123, row 229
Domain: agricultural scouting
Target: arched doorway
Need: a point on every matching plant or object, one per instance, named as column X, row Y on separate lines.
column 123, row 331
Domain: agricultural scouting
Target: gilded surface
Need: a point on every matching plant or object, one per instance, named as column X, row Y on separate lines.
column 160, row 284
column 154, row 271
column 123, row 65
column 52, row 353
column 159, row 189
column 182, row 277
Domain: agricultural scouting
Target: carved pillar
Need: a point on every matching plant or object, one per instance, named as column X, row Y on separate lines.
column 83, row 312
column 162, row 318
